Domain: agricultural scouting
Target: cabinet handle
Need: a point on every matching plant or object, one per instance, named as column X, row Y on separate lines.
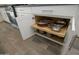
column 21, row 10
column 49, row 11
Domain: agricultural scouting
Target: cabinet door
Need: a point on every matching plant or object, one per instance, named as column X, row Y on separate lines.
column 25, row 22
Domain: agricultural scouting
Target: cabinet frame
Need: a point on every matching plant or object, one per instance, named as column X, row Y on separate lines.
column 67, row 39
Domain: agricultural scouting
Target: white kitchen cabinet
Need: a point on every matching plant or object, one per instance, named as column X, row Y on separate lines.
column 25, row 15
column 25, row 22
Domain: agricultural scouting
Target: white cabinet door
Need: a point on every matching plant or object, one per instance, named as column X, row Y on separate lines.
column 25, row 22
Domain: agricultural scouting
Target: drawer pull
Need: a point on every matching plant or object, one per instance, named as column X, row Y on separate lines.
column 47, row 11
column 21, row 10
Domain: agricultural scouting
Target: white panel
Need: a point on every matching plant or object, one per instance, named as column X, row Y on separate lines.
column 65, row 10
column 77, row 21
column 25, row 22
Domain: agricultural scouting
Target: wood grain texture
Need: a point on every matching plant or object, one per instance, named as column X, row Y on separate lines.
column 11, row 42
column 61, row 33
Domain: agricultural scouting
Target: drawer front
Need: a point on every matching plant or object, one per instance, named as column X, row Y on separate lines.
column 68, row 10
column 23, row 9
column 42, row 10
